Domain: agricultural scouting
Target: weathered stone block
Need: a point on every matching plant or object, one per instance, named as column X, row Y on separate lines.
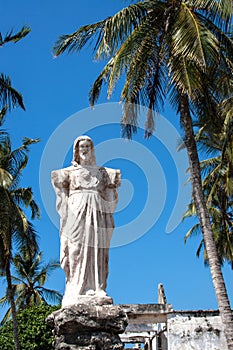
column 88, row 327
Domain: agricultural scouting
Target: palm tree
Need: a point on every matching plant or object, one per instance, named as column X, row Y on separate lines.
column 15, row 229
column 218, row 189
column 29, row 278
column 165, row 46
column 8, row 95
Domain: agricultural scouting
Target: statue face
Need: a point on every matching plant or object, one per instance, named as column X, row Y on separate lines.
column 85, row 150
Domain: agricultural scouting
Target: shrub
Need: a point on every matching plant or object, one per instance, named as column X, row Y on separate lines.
column 34, row 333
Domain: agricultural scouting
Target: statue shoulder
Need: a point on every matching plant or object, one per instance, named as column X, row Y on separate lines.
column 114, row 176
column 61, row 175
column 62, row 171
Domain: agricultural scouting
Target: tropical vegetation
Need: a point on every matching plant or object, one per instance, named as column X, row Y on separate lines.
column 170, row 50
column 29, row 276
column 34, row 333
column 15, row 229
column 217, row 185
column 9, row 96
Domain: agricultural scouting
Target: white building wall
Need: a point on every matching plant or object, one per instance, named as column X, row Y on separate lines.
column 195, row 331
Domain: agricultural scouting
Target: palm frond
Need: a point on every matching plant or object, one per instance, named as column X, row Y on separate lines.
column 8, row 95
column 210, row 166
column 10, row 37
column 3, row 112
column 97, row 85
column 45, row 271
column 109, row 33
column 50, row 295
column 19, row 155
column 34, row 209
column 194, row 231
column 185, row 77
column 219, row 11
column 77, row 40
column 22, row 196
column 5, row 226
column 6, row 317
column 191, row 211
column 4, row 301
column 199, row 249
column 5, row 178
column 191, row 39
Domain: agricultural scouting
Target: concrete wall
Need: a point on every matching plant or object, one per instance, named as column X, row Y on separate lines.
column 193, row 330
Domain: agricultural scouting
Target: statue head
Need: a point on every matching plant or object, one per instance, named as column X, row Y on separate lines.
column 84, row 151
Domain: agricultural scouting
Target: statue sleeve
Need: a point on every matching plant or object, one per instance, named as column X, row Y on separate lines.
column 114, row 181
column 60, row 181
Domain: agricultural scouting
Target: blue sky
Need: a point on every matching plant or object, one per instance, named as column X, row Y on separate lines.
column 55, row 92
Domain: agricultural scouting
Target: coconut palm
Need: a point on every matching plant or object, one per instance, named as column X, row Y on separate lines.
column 15, row 229
column 220, row 212
column 159, row 47
column 218, row 189
column 30, row 275
column 9, row 97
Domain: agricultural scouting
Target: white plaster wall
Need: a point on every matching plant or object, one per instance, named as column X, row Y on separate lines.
column 192, row 332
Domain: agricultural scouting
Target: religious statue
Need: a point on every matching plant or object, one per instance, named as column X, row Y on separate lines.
column 86, row 198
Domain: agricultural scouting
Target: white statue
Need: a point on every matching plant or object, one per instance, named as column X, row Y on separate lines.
column 86, row 200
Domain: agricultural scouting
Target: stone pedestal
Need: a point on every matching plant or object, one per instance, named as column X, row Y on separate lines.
column 88, row 327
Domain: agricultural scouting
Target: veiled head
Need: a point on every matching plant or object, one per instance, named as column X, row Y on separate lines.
column 76, row 150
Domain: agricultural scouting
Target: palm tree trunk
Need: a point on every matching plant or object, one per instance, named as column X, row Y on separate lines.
column 12, row 302
column 203, row 216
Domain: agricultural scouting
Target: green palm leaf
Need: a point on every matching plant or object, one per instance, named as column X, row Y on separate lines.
column 109, row 33
column 14, row 37
column 191, row 39
column 8, row 95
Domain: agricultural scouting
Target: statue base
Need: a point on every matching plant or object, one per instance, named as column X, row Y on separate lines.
column 88, row 327
column 87, row 299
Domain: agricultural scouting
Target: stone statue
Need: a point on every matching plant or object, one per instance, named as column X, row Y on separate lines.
column 86, row 199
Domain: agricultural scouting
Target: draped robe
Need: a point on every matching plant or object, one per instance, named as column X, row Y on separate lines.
column 86, row 200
